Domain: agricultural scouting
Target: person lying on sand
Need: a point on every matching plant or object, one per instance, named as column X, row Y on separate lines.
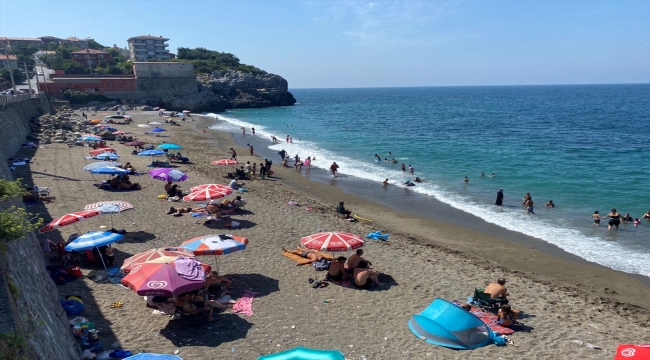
column 498, row 290
column 305, row 253
column 365, row 277
column 507, row 316
column 355, row 260
column 32, row 195
column 337, row 270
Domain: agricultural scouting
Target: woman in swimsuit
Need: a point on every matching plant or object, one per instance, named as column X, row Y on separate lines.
column 614, row 219
column 506, row 316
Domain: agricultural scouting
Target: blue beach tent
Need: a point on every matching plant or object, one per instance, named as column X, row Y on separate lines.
column 302, row 353
column 445, row 324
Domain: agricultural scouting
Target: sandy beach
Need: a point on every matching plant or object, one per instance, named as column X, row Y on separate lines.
column 573, row 309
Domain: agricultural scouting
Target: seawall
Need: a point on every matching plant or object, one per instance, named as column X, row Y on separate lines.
column 30, row 310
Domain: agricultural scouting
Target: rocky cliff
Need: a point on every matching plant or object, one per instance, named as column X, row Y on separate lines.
column 237, row 89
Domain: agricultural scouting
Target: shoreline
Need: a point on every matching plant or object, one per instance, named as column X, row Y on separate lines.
column 422, row 204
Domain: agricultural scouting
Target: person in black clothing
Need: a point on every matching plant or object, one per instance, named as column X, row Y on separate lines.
column 499, row 197
column 262, row 171
column 283, row 154
column 268, row 164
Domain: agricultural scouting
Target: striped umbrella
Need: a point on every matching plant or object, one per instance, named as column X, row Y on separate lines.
column 100, row 164
column 204, row 195
column 215, row 245
column 107, row 156
column 166, row 254
column 167, row 174
column 218, row 187
column 122, row 204
column 68, row 219
column 93, row 239
column 101, row 151
column 332, row 241
column 225, row 162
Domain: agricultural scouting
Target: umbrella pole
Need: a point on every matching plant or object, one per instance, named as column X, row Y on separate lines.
column 216, row 261
column 101, row 257
column 112, row 227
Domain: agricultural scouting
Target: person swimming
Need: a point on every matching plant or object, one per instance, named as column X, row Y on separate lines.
column 465, row 180
column 482, row 174
column 377, row 157
column 417, row 179
column 493, row 175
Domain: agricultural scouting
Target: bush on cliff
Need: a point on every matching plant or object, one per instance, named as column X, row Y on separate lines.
column 80, row 97
column 206, row 61
column 15, row 222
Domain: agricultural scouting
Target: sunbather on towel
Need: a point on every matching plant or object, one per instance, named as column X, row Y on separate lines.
column 306, row 253
column 507, row 316
column 365, row 277
column 498, row 290
column 337, row 271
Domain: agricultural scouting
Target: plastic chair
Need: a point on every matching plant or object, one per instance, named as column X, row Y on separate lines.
column 485, row 300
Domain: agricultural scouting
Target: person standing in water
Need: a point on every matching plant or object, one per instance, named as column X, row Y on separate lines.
column 377, row 157
column 334, row 168
column 529, row 206
column 596, row 217
column 253, row 131
column 411, row 169
column 499, row 198
column 465, row 180
column 403, row 167
column 614, row 219
column 385, row 182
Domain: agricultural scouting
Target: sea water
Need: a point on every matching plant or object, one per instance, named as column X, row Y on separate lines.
column 586, row 147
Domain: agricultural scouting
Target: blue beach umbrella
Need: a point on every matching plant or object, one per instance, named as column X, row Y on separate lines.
column 107, row 156
column 109, row 170
column 90, row 138
column 151, row 153
column 101, row 164
column 149, row 356
column 93, row 239
column 157, row 129
column 302, row 353
column 169, row 146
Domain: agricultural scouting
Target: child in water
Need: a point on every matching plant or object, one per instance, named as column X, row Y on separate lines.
column 637, row 222
column 596, row 218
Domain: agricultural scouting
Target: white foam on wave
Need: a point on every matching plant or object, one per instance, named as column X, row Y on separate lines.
column 594, row 249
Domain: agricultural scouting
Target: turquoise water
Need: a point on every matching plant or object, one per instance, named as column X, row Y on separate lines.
column 586, row 147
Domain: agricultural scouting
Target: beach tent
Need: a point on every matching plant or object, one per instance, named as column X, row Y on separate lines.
column 302, row 353
column 445, row 324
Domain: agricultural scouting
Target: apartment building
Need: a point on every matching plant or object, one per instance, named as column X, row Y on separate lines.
column 7, row 42
column 90, row 57
column 143, row 48
column 8, row 62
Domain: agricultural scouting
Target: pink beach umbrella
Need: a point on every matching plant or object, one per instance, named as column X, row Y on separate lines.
column 68, row 219
column 160, row 279
column 225, row 162
column 217, row 187
column 203, row 195
column 332, row 241
column 165, row 254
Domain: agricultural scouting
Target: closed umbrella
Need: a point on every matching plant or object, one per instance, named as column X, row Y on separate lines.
column 68, row 219
column 169, row 146
column 167, row 174
column 100, row 164
column 93, row 239
column 332, row 241
column 107, row 156
column 223, row 188
column 207, row 194
column 165, row 254
column 225, row 162
column 159, row 279
column 151, row 153
column 215, row 245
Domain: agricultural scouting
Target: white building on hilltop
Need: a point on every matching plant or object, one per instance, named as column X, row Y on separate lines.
column 143, row 48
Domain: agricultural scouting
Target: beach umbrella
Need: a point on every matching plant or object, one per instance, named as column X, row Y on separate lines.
column 165, row 254
column 68, row 219
column 167, row 174
column 151, row 153
column 157, row 130
column 109, row 209
column 332, row 241
column 134, row 143
column 119, row 132
column 169, row 146
column 109, row 170
column 303, row 353
column 100, row 164
column 107, row 156
column 154, row 122
column 90, row 138
column 93, row 239
column 122, row 204
column 218, row 187
column 109, row 128
column 101, row 151
column 151, row 356
column 143, row 126
column 215, row 245
column 159, row 279
column 225, row 162
column 207, row 194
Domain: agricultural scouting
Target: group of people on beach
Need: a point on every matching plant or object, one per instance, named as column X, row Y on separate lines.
column 615, row 218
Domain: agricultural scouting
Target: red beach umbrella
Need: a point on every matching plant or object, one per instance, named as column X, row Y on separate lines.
column 332, row 241
column 225, row 162
column 153, row 255
column 206, row 194
column 101, row 151
column 218, row 187
column 68, row 219
column 160, row 279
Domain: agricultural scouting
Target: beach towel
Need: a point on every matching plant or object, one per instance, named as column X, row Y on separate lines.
column 491, row 320
column 302, row 261
column 245, row 303
column 189, row 268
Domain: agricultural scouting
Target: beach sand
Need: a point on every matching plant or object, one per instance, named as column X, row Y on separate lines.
column 567, row 304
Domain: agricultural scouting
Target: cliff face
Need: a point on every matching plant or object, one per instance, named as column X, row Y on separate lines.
column 237, row 89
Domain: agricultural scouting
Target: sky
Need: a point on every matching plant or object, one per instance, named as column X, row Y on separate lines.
column 381, row 43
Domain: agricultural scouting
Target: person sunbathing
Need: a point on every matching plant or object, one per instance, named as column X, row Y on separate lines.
column 337, row 270
column 32, row 195
column 507, row 316
column 498, row 290
column 365, row 277
column 305, row 253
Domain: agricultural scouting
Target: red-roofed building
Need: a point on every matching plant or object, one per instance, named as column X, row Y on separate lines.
column 90, row 56
column 8, row 62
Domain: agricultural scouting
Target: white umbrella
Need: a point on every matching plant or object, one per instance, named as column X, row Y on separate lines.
column 143, row 126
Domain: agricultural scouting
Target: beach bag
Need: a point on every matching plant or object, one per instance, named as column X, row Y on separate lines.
column 72, row 307
column 75, row 272
column 321, row 264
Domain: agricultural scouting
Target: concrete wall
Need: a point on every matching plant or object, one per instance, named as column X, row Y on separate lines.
column 163, row 70
column 33, row 311
column 153, row 88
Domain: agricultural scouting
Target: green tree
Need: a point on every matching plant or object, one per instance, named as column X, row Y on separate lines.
column 92, row 44
column 207, row 61
column 5, row 78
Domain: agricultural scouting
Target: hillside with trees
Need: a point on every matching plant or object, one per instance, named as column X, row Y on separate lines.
column 207, row 61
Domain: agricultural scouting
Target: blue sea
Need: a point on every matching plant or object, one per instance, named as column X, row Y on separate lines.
column 586, row 147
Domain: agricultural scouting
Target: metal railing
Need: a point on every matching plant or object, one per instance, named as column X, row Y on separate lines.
column 20, row 97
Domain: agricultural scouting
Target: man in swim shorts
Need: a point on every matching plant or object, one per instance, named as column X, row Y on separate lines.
column 305, row 253
column 498, row 290
column 337, row 271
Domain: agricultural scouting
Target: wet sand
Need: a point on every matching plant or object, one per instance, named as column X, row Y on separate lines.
column 563, row 299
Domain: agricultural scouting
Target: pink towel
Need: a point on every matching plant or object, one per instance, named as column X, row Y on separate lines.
column 244, row 304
